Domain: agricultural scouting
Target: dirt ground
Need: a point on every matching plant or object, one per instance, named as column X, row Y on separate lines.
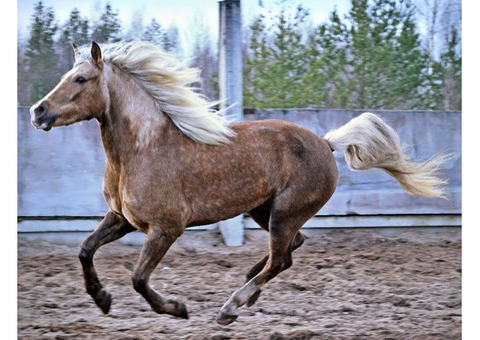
column 357, row 284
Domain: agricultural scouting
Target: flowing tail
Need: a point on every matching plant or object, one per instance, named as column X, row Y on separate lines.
column 368, row 142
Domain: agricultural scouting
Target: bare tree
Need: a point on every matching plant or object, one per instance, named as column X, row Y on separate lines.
column 437, row 17
column 136, row 28
column 204, row 57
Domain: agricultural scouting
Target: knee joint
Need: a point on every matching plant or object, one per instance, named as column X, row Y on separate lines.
column 84, row 255
column 139, row 284
column 298, row 241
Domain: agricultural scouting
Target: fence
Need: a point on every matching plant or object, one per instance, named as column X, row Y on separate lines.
column 60, row 173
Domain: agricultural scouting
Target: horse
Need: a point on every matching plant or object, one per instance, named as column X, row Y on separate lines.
column 173, row 161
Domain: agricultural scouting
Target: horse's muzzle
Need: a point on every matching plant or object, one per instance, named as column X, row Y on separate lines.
column 41, row 118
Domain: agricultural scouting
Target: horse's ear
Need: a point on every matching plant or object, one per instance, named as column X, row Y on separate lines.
column 97, row 55
column 76, row 52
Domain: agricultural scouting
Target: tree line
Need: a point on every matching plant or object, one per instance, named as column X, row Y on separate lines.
column 48, row 53
column 373, row 57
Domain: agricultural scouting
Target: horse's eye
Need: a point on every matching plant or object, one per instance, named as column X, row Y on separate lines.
column 80, row 80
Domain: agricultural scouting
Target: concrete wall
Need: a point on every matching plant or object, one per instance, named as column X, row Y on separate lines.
column 60, row 172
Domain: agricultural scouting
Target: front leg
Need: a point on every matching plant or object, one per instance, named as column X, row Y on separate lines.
column 112, row 227
column 156, row 245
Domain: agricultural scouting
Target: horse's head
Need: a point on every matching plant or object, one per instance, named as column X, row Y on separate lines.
column 80, row 95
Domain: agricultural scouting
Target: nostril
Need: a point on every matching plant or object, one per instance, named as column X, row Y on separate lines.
column 39, row 110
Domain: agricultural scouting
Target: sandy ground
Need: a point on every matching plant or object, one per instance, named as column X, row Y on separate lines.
column 357, row 284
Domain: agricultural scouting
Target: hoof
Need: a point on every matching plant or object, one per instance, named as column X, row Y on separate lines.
column 253, row 298
column 104, row 301
column 182, row 311
column 174, row 308
column 226, row 319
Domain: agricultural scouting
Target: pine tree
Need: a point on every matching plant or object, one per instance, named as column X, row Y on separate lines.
column 256, row 61
column 74, row 31
column 325, row 82
column 171, row 40
column 40, row 52
column 165, row 39
column 275, row 64
column 154, row 33
column 451, row 62
column 108, row 29
column 387, row 65
column 409, row 75
column 289, row 62
column 22, row 75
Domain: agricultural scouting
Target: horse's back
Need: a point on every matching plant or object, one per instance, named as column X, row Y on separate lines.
column 297, row 144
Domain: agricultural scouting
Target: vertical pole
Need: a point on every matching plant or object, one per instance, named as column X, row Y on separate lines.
column 230, row 57
column 230, row 76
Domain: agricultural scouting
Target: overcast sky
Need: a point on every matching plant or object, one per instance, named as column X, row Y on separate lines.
column 167, row 12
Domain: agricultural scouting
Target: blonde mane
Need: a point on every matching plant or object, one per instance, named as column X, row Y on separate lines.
column 169, row 82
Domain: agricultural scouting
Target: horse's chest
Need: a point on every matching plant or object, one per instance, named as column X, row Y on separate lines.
column 129, row 199
column 111, row 191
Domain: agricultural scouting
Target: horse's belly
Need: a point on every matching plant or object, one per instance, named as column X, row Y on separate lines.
column 226, row 197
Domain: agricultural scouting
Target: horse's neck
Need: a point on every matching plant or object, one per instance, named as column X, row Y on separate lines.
column 132, row 122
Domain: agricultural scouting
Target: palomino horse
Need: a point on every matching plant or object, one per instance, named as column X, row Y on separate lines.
column 174, row 162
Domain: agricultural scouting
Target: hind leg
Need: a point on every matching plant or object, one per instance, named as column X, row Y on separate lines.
column 257, row 268
column 282, row 235
column 261, row 215
column 296, row 243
